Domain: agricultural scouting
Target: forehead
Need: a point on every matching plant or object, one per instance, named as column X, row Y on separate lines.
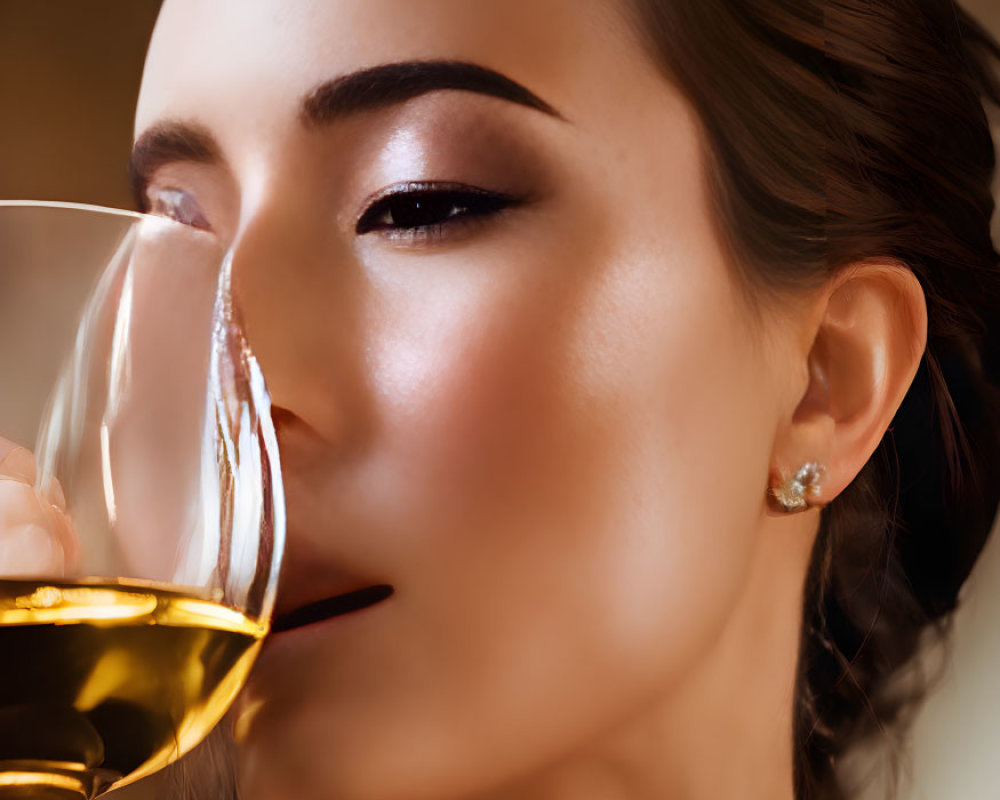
column 253, row 60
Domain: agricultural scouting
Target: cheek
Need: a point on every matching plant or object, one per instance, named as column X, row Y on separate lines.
column 568, row 417
column 570, row 468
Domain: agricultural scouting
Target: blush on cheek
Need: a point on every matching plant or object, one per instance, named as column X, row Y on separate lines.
column 469, row 389
column 665, row 370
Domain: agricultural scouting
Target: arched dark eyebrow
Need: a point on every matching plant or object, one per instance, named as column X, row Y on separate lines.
column 364, row 90
column 389, row 84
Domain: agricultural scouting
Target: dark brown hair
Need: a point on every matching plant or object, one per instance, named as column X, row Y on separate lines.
column 839, row 131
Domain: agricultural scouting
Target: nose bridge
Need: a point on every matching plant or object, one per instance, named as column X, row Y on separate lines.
column 301, row 302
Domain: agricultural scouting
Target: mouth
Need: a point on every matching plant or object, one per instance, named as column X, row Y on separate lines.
column 330, row 607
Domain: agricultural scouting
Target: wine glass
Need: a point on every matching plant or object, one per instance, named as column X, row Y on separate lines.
column 138, row 565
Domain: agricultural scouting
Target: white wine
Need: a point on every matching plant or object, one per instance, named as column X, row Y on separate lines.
column 103, row 682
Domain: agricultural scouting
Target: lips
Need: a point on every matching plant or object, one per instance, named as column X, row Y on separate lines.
column 320, row 560
column 330, row 607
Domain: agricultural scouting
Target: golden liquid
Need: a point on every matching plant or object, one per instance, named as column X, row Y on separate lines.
column 113, row 679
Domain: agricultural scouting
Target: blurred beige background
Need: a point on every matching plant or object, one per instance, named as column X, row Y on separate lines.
column 69, row 76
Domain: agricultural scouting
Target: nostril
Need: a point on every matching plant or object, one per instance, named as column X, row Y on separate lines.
column 295, row 431
column 282, row 419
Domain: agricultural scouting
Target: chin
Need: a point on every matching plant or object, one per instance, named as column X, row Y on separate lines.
column 322, row 751
column 308, row 766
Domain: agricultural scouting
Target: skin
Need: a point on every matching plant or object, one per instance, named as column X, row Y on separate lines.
column 551, row 429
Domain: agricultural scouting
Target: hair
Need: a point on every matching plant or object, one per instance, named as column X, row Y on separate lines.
column 839, row 131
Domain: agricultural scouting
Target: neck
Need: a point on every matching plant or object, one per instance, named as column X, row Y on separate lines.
column 726, row 730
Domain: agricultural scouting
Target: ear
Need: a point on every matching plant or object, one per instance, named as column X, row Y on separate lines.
column 865, row 335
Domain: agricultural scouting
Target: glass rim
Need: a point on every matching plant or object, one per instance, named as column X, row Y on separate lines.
column 72, row 206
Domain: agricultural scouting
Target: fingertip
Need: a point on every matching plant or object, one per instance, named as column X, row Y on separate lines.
column 18, row 463
column 6, row 445
column 30, row 549
column 36, row 537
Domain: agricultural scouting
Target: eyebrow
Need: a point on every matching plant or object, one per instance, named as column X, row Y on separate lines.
column 364, row 90
column 390, row 84
column 164, row 143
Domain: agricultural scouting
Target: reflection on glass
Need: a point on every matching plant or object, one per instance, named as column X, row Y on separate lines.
column 138, row 569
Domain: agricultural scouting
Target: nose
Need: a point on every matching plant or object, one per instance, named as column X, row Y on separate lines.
column 301, row 298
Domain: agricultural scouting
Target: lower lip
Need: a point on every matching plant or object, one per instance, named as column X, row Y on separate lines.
column 282, row 665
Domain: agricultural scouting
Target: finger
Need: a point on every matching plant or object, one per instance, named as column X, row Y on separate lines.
column 35, row 538
column 20, row 464
column 30, row 550
column 6, row 445
column 16, row 462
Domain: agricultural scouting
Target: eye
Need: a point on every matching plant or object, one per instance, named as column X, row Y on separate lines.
column 179, row 206
column 426, row 209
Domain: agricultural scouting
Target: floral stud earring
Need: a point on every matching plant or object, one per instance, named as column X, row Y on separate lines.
column 793, row 493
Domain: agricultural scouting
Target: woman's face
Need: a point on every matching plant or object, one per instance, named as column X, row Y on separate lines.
column 512, row 372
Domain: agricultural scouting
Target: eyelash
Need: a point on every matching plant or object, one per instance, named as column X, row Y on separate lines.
column 424, row 211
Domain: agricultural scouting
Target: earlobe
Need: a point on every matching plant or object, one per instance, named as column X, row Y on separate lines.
column 864, row 354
